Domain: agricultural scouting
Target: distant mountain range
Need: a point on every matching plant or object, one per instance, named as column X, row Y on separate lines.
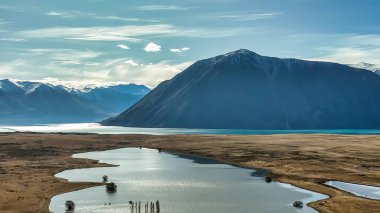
column 244, row 90
column 25, row 102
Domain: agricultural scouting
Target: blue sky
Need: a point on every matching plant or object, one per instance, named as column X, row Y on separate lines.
column 81, row 42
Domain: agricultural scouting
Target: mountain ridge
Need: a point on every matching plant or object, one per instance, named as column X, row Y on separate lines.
column 243, row 90
column 30, row 102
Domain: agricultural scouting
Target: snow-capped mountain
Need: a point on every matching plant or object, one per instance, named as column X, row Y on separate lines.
column 243, row 90
column 114, row 99
column 26, row 102
column 9, row 86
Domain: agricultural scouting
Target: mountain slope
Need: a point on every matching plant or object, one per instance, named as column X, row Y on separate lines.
column 243, row 90
column 33, row 102
column 114, row 99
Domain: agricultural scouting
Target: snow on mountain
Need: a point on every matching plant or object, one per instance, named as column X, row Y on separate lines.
column 36, row 102
column 7, row 85
column 367, row 66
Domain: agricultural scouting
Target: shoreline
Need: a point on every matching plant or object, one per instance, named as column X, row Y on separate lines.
column 30, row 161
column 267, row 173
column 191, row 157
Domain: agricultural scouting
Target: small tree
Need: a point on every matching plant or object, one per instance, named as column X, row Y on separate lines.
column 298, row 204
column 268, row 179
column 111, row 187
column 70, row 205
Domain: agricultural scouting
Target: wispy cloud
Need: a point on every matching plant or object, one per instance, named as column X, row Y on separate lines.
column 249, row 17
column 162, row 7
column 118, row 18
column 122, row 46
column 75, row 54
column 179, row 50
column 218, row 32
column 80, row 14
column 131, row 33
column 152, row 47
column 131, row 62
column 66, row 56
column 351, row 49
column 13, row 67
column 103, row 73
column 120, row 33
column 12, row 39
column 10, row 8
column 3, row 22
column 61, row 14
column 54, row 13
column 350, row 55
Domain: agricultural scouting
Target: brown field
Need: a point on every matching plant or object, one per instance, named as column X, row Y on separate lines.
column 29, row 161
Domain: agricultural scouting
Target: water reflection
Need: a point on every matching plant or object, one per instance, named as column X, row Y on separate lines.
column 181, row 183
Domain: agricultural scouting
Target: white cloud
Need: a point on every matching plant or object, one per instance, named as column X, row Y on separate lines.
column 40, row 51
column 120, row 33
column 350, row 55
column 131, row 62
column 114, row 70
column 351, row 49
column 54, row 13
column 61, row 14
column 75, row 84
column 80, row 14
column 12, row 67
column 249, row 17
column 122, row 46
column 65, row 56
column 130, row 32
column 152, row 47
column 68, row 54
column 117, row 18
column 175, row 50
column 161, row 7
column 153, row 74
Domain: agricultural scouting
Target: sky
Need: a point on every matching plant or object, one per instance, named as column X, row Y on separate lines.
column 82, row 42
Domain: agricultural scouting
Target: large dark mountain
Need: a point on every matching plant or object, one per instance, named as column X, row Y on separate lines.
column 243, row 90
column 32, row 102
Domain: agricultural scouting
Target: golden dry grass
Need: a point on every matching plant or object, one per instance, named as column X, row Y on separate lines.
column 29, row 161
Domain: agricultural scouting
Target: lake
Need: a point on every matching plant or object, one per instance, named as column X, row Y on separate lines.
column 98, row 129
column 182, row 184
column 371, row 192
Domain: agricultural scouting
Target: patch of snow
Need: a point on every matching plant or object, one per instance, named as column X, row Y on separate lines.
column 367, row 66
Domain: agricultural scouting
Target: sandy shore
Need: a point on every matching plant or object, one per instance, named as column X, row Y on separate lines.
column 28, row 162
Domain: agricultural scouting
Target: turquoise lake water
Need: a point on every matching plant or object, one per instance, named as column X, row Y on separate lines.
column 96, row 128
